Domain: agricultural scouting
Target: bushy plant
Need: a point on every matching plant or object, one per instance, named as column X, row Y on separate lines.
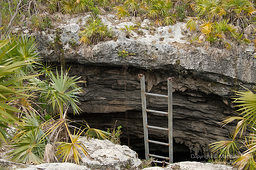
column 158, row 10
column 121, row 11
column 40, row 22
column 96, row 31
column 18, row 59
column 217, row 19
column 114, row 134
column 241, row 146
column 123, row 53
column 72, row 6
column 128, row 30
column 29, row 141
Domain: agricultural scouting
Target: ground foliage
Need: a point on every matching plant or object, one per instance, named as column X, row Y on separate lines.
column 221, row 23
column 241, row 148
column 27, row 86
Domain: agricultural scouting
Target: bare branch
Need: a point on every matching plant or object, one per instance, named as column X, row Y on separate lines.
column 14, row 15
column 9, row 3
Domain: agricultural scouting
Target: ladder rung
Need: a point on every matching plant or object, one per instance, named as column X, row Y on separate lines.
column 155, row 111
column 159, row 128
column 157, row 95
column 157, row 142
column 158, row 156
column 161, row 162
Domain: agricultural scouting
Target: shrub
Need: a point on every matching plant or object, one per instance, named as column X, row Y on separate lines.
column 242, row 142
column 96, row 31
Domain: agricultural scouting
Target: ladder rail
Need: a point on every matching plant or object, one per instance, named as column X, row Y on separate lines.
column 170, row 119
column 144, row 113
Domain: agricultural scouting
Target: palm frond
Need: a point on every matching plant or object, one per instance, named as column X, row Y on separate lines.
column 68, row 151
column 96, row 133
column 226, row 148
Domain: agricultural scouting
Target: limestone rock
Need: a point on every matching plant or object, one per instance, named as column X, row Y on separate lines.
column 106, row 155
column 8, row 165
column 193, row 166
column 55, row 166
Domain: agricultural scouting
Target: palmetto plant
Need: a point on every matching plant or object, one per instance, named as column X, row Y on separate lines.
column 121, row 11
column 61, row 91
column 242, row 9
column 128, row 30
column 159, row 10
column 243, row 140
column 10, row 83
column 54, row 5
column 221, row 17
column 191, row 24
column 96, row 31
column 209, row 8
column 29, row 141
column 103, row 3
column 222, row 28
column 17, row 56
column 133, row 6
column 70, row 150
column 71, row 6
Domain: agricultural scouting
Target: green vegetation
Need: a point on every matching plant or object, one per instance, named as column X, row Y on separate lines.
column 29, row 142
column 219, row 21
column 95, row 31
column 222, row 23
column 38, row 108
column 71, row 6
column 9, row 85
column 159, row 10
column 115, row 134
column 128, row 30
column 241, row 145
column 123, row 53
column 23, row 96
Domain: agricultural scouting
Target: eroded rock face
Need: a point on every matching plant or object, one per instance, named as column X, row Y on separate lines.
column 113, row 93
column 204, row 80
column 161, row 48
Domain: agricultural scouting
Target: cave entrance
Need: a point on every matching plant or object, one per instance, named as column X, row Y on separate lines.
column 132, row 133
column 180, row 151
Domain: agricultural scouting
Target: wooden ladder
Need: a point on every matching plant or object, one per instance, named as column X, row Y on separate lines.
column 145, row 122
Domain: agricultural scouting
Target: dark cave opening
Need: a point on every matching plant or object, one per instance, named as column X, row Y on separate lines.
column 180, row 151
column 132, row 135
